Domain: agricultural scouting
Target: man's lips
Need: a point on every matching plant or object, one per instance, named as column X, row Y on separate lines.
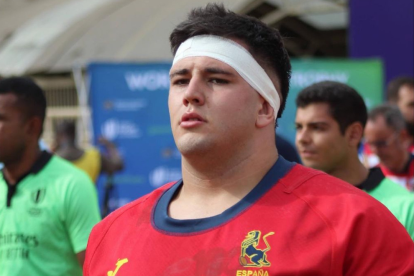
column 191, row 120
column 307, row 153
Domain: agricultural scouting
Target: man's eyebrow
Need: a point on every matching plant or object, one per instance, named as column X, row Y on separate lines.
column 313, row 123
column 178, row 72
column 215, row 70
column 318, row 123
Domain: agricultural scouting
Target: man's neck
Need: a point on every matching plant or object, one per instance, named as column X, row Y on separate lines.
column 401, row 164
column 15, row 170
column 352, row 171
column 69, row 151
column 206, row 193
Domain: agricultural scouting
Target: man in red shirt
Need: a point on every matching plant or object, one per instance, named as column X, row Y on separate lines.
column 240, row 208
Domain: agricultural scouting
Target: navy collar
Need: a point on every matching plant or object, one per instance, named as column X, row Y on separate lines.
column 163, row 222
column 39, row 164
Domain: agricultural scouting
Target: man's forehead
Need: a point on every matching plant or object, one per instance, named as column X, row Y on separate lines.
column 314, row 113
column 378, row 124
column 8, row 99
column 315, row 109
column 406, row 92
column 200, row 62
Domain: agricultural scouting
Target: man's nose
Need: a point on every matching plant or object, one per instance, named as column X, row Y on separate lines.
column 302, row 137
column 194, row 94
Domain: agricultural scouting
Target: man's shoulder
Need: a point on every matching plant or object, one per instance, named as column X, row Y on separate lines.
column 92, row 151
column 322, row 191
column 302, row 179
column 395, row 197
column 58, row 163
column 61, row 168
column 392, row 189
column 131, row 211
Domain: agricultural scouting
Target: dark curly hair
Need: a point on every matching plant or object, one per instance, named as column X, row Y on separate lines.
column 346, row 106
column 264, row 43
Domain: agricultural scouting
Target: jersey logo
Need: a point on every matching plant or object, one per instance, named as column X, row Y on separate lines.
column 38, row 195
column 251, row 256
column 119, row 263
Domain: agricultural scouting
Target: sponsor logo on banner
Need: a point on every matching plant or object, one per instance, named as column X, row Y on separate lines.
column 123, row 129
column 302, row 79
column 148, row 80
column 162, row 175
column 125, row 105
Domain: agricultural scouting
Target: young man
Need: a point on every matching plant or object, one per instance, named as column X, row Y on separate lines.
column 90, row 160
column 47, row 206
column 387, row 138
column 330, row 122
column 241, row 209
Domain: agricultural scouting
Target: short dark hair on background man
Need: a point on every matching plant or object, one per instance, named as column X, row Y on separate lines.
column 264, row 43
column 391, row 114
column 68, row 128
column 29, row 95
column 394, row 87
column 346, row 106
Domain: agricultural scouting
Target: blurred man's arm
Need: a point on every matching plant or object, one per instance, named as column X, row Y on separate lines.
column 112, row 161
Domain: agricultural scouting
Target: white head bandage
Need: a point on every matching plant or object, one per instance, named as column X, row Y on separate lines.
column 236, row 56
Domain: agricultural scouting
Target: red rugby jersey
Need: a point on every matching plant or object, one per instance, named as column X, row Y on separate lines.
column 296, row 221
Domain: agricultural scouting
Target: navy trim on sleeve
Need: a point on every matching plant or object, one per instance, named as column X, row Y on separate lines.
column 162, row 221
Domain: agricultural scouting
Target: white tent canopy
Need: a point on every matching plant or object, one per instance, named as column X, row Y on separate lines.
column 47, row 36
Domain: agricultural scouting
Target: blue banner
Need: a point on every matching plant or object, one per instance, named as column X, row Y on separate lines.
column 129, row 107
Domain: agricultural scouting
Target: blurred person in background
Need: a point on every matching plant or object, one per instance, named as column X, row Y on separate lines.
column 47, row 206
column 89, row 160
column 387, row 137
column 241, row 208
column 400, row 92
column 330, row 122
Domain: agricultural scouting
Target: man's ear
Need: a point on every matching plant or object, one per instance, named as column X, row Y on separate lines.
column 404, row 138
column 354, row 133
column 265, row 114
column 34, row 126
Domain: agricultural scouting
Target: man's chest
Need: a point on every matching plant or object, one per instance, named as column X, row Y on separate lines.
column 258, row 247
column 28, row 223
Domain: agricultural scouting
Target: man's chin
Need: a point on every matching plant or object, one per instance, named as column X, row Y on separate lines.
column 312, row 164
column 192, row 147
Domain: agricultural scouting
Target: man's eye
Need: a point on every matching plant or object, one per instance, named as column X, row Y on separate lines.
column 298, row 127
column 180, row 81
column 219, row 81
column 318, row 128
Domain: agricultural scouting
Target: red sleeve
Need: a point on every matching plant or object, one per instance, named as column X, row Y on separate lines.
column 368, row 239
column 379, row 245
